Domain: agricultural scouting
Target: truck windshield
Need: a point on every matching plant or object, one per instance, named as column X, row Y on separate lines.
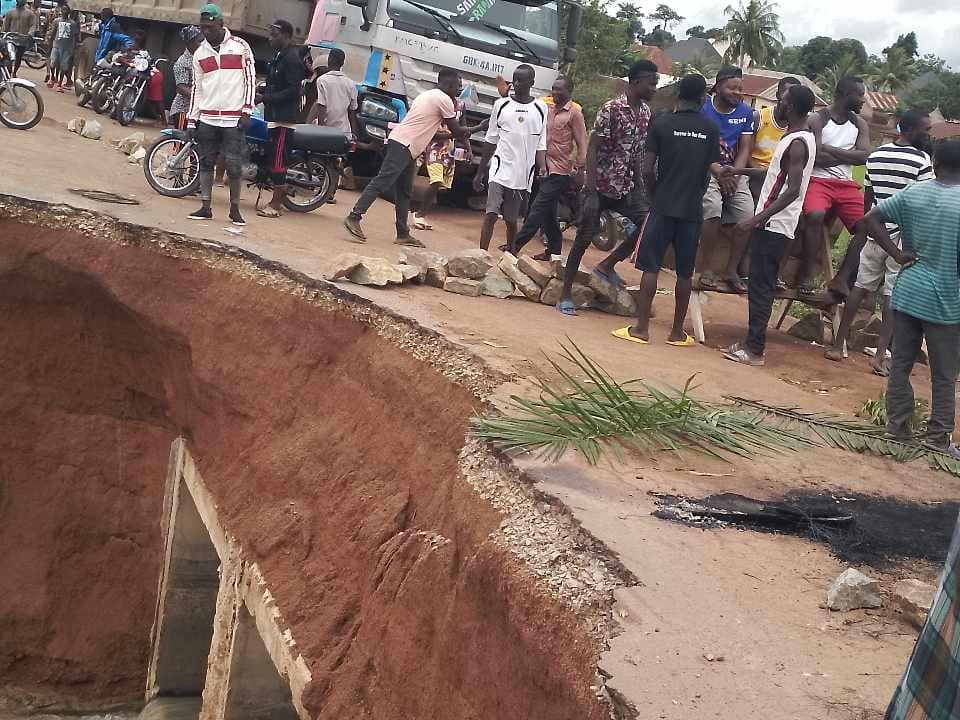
column 485, row 25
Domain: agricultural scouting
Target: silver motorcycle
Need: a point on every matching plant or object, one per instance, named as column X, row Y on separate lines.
column 21, row 106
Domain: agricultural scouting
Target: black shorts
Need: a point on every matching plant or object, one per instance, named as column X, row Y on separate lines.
column 213, row 140
column 660, row 232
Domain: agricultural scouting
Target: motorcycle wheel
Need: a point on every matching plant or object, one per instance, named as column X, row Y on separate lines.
column 126, row 106
column 172, row 182
column 607, row 236
column 21, row 107
column 83, row 93
column 99, row 96
column 327, row 177
column 34, row 59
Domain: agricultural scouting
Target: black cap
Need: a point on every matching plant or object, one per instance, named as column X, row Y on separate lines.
column 282, row 26
column 725, row 73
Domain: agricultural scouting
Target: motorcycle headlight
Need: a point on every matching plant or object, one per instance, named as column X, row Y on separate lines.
column 379, row 110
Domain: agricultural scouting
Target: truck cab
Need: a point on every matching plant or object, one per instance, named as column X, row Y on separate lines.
column 394, row 49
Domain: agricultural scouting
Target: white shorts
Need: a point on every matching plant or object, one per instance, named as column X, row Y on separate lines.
column 878, row 271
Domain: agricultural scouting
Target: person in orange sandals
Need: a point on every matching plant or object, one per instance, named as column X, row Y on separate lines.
column 682, row 152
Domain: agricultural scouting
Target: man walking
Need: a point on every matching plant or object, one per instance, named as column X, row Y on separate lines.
column 407, row 142
column 566, row 130
column 734, row 203
column 682, row 150
column 926, row 299
column 890, row 169
column 223, row 93
column 336, row 104
column 773, row 227
column 614, row 160
column 23, row 23
column 281, row 108
column 843, row 140
column 515, row 150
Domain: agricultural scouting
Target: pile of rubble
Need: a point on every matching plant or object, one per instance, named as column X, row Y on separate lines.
column 853, row 590
column 475, row 272
column 132, row 145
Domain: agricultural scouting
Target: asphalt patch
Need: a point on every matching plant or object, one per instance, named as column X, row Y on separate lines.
column 858, row 528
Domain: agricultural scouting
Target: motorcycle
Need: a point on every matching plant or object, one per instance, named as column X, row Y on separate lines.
column 36, row 54
column 103, row 92
column 172, row 163
column 130, row 93
column 21, row 106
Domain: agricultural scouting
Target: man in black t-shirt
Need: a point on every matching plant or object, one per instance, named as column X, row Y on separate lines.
column 682, row 149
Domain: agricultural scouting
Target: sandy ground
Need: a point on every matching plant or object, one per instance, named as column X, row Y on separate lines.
column 752, row 599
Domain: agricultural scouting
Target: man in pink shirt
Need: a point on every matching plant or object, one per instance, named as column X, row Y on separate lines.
column 407, row 142
column 566, row 129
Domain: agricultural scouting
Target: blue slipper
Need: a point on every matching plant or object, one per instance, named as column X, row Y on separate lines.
column 566, row 307
column 611, row 277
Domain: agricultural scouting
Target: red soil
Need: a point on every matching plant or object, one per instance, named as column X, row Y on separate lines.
column 333, row 458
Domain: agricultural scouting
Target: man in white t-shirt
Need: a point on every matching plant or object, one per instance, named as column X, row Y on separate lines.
column 407, row 141
column 515, row 151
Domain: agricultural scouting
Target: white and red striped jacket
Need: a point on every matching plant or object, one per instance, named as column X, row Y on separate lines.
column 224, row 82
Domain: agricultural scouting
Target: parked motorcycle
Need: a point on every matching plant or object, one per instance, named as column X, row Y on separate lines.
column 21, row 106
column 172, row 163
column 37, row 54
column 131, row 90
column 103, row 93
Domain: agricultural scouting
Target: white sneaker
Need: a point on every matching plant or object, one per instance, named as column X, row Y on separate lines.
column 420, row 223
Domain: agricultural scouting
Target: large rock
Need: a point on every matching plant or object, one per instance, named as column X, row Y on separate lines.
column 473, row 264
column 540, row 272
column 409, row 272
column 377, row 272
column 462, row 286
column 496, row 284
column 622, row 304
column 131, row 143
column 582, row 295
column 137, row 156
column 92, row 130
column 914, row 598
column 431, row 266
column 853, row 590
column 342, row 265
column 582, row 276
column 75, row 125
column 508, row 265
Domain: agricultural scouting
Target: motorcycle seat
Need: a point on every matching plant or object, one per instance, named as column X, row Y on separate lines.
column 320, row 139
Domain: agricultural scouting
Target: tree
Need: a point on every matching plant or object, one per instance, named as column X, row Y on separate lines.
column 602, row 41
column 666, row 16
column 699, row 65
column 789, row 61
column 931, row 63
column 820, row 53
column 697, row 31
column 848, row 64
column 632, row 14
column 894, row 73
column 942, row 93
column 754, row 32
column 907, row 43
column 659, row 37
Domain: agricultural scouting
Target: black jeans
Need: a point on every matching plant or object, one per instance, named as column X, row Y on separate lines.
column 766, row 251
column 943, row 352
column 396, row 173
column 212, row 140
column 543, row 214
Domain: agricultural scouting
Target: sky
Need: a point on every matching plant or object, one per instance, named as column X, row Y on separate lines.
column 876, row 23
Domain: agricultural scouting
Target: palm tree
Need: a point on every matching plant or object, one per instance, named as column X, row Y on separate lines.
column 894, row 73
column 848, row 64
column 754, row 31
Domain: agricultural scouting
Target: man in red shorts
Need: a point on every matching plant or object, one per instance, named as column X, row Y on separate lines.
column 843, row 140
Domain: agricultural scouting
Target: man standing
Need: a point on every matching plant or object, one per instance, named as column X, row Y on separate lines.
column 407, row 142
column 111, row 36
column 281, row 108
column 682, row 150
column 336, row 104
column 66, row 37
column 223, row 93
column 843, row 140
column 890, row 169
column 614, row 160
column 926, row 299
column 183, row 77
column 734, row 203
column 515, row 149
column 778, row 213
column 566, row 129
column 23, row 23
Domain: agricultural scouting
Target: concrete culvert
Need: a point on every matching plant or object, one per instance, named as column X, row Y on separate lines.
column 330, row 437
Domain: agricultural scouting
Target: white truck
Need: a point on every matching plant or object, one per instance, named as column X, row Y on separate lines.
column 395, row 48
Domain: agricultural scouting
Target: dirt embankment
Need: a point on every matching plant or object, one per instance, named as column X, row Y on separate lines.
column 333, row 457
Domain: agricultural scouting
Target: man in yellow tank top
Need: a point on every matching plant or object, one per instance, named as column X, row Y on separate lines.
column 771, row 125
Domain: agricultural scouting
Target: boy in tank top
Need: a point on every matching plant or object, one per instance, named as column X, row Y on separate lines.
column 843, row 140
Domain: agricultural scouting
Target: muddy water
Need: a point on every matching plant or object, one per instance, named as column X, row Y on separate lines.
column 332, row 455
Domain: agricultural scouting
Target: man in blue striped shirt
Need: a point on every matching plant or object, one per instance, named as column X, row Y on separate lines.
column 890, row 169
column 926, row 299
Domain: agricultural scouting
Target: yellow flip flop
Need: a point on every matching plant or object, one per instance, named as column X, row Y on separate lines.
column 686, row 342
column 624, row 334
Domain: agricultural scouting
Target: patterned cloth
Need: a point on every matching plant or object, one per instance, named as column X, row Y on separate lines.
column 182, row 75
column 930, row 688
column 622, row 132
